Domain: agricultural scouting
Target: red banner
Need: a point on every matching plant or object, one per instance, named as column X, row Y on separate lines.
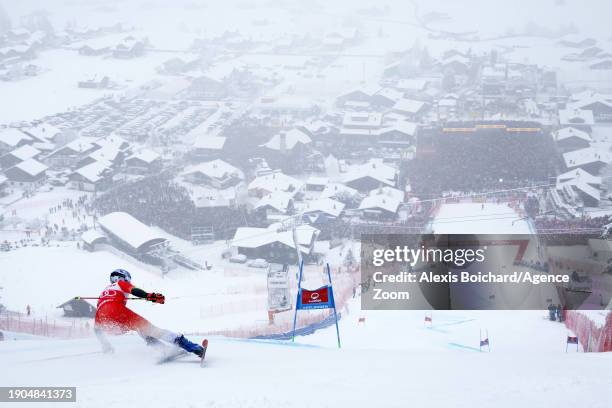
column 311, row 297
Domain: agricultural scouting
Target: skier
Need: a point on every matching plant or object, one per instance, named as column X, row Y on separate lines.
column 113, row 317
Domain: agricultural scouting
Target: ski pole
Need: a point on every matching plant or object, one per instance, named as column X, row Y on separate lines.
column 98, row 298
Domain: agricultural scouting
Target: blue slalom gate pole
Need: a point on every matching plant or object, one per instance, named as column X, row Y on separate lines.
column 297, row 302
column 335, row 314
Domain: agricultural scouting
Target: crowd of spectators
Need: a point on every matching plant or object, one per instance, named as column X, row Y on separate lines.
column 484, row 159
column 162, row 202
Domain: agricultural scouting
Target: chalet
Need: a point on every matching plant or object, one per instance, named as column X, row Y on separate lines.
column 45, row 133
column 276, row 245
column 589, row 159
column 380, row 207
column 401, row 133
column 114, row 141
column 96, row 176
column 216, row 173
column 386, row 97
column 361, row 120
column 274, row 182
column 292, row 141
column 144, row 162
column 321, row 210
column 109, row 154
column 577, row 118
column 569, row 138
column 600, row 107
column 211, row 198
column 12, row 138
column 340, row 192
column 19, row 155
column 458, row 64
column 208, row 146
column 362, row 94
column 371, row 175
column 27, row 173
column 390, row 192
column 71, row 153
column 278, row 202
column 130, row 48
column 411, row 108
column 581, row 175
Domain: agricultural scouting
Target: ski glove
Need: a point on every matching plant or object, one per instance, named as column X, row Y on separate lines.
column 156, row 298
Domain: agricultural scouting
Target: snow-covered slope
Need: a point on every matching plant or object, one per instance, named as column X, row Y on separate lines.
column 258, row 374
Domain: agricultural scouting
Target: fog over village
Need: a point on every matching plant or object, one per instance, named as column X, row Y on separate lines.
column 211, row 148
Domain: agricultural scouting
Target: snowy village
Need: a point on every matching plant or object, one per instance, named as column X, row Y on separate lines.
column 220, row 160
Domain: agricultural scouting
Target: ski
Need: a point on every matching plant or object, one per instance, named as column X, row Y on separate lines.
column 204, row 346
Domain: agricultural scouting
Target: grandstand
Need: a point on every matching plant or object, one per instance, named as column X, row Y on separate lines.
column 472, row 156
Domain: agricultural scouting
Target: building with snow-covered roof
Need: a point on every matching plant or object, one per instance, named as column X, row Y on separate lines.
column 590, row 159
column 71, row 153
column 108, row 154
column 379, row 207
column 207, row 146
column 338, row 191
column 45, row 133
column 579, row 174
column 389, row 192
column 370, row 175
column 362, row 120
column 274, row 244
column 386, row 97
column 361, row 94
column 577, row 118
column 275, row 181
column 400, row 133
column 25, row 173
column 278, row 202
column 288, row 141
column 130, row 234
column 601, row 107
column 570, row 138
column 95, row 176
column 18, row 155
column 326, row 208
column 216, row 173
column 411, row 108
column 579, row 191
column 144, row 161
column 12, row 138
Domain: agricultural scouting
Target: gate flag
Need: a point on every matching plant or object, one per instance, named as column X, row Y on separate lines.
column 321, row 298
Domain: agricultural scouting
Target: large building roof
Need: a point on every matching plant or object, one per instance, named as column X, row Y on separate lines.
column 129, row 230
